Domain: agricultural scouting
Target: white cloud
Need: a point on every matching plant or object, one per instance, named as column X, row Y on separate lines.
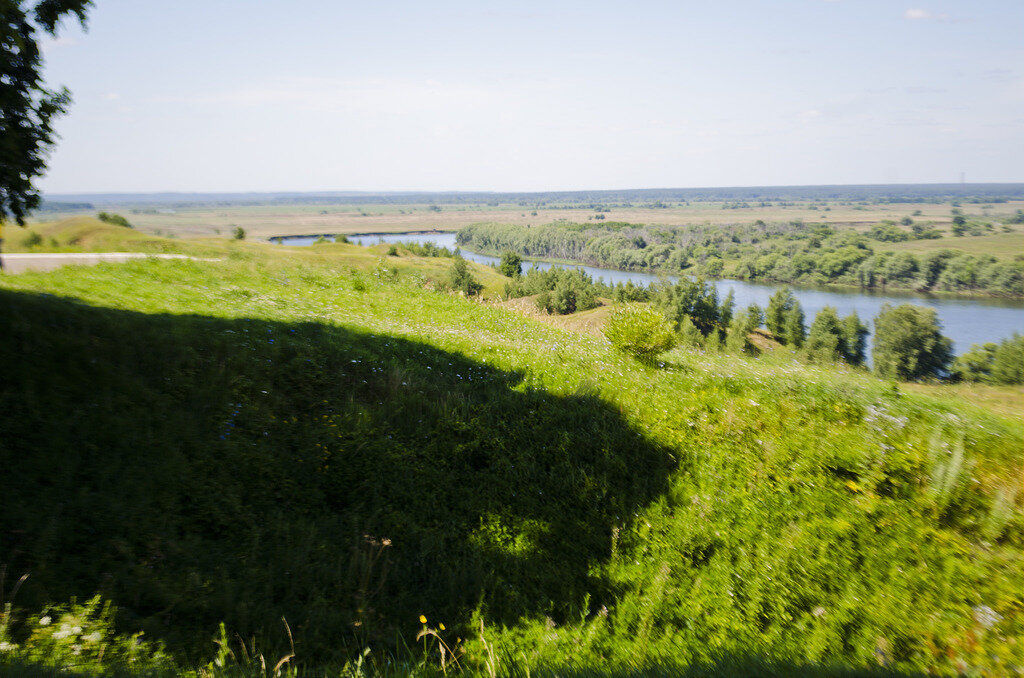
column 111, row 96
column 923, row 14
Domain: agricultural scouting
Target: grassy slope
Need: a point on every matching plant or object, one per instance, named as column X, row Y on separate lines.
column 234, row 441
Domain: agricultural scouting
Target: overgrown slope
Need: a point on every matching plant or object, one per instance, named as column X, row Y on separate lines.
column 279, row 434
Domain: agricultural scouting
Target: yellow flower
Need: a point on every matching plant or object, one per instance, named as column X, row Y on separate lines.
column 441, row 626
column 423, row 619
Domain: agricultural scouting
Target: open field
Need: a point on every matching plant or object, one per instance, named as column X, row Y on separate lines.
column 264, row 221
column 999, row 245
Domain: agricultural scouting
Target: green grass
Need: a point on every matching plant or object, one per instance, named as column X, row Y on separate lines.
column 303, row 434
column 998, row 245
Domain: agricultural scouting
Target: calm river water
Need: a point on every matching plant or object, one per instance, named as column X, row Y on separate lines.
column 965, row 321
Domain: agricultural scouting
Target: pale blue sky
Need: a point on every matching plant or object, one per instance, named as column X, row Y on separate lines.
column 254, row 95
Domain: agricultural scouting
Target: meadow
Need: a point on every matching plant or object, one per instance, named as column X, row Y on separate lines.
column 318, row 455
column 262, row 221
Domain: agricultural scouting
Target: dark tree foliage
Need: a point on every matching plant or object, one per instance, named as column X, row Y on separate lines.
column 855, row 338
column 511, row 264
column 909, row 344
column 27, row 108
column 114, row 219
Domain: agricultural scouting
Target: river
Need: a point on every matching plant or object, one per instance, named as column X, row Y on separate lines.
column 965, row 321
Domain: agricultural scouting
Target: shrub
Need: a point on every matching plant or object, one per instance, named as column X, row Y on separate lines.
column 238, row 233
column 641, row 332
column 115, row 219
column 462, row 280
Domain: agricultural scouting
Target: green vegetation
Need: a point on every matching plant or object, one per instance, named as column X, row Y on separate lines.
column 320, row 437
column 908, row 344
column 558, row 290
column 832, row 340
column 511, row 265
column 29, row 108
column 461, row 280
column 238, row 233
column 113, row 219
column 640, row 332
column 992, row 363
column 793, row 252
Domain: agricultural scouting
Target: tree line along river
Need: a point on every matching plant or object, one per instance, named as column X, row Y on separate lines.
column 965, row 321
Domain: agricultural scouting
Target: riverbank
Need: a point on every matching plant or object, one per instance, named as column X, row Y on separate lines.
column 965, row 321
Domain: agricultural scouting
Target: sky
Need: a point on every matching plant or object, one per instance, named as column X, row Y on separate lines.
column 320, row 95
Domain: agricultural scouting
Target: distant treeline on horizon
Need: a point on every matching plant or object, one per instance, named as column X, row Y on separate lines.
column 649, row 197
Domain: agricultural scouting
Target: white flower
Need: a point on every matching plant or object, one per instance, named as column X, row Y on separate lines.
column 986, row 616
column 93, row 637
column 7, row 647
column 45, row 621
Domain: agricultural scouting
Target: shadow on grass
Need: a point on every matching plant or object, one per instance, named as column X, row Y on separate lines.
column 197, row 470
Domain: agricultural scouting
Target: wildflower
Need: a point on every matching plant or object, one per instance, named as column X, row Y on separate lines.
column 986, row 616
column 7, row 647
column 45, row 621
column 441, row 626
column 423, row 619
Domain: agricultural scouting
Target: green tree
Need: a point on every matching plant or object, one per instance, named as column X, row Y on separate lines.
column 511, row 264
column 738, row 339
column 992, row 363
column 976, row 364
column 775, row 315
column 825, row 338
column 909, row 344
column 726, row 310
column 755, row 317
column 1008, row 361
column 793, row 330
column 461, row 279
column 27, row 108
column 696, row 300
column 855, row 339
column 959, row 225
column 238, row 233
column 689, row 335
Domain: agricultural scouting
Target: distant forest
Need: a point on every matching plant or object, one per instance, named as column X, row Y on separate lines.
column 645, row 197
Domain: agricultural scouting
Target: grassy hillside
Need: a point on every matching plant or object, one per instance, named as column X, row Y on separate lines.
column 321, row 437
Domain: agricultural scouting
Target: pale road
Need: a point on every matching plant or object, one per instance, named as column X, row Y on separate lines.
column 19, row 263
